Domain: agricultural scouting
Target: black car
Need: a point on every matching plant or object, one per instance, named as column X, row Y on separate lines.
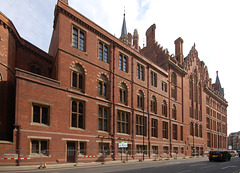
column 219, row 156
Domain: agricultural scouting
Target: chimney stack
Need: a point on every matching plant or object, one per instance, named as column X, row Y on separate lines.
column 150, row 34
column 135, row 39
column 179, row 50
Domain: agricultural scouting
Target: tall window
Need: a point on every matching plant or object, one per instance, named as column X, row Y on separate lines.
column 165, row 130
column 190, row 112
column 175, row 132
column 200, row 131
column 153, row 79
column 39, row 146
column 123, row 62
column 79, row 39
column 196, row 130
column 174, row 93
column 174, row 79
column 123, row 122
column 78, row 77
column 140, row 123
column 41, row 114
column 199, row 94
column 174, row 112
column 195, row 88
column 123, row 93
column 164, row 86
column 181, row 131
column 103, row 118
column 164, row 108
column 102, row 52
column 154, row 104
column 82, row 146
column 140, row 72
column 140, row 99
column 103, row 86
column 191, row 129
column 154, row 127
column 78, row 117
column 208, row 139
column 190, row 88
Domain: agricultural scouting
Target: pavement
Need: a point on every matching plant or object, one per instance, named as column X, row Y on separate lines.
column 70, row 165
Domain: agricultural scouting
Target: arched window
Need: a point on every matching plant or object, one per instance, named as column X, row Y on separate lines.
column 78, row 77
column 174, row 112
column 140, row 99
column 103, row 86
column 154, row 104
column 123, row 93
column 164, row 108
column 35, row 69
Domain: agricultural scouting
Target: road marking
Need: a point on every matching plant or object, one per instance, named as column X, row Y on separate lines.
column 198, row 164
column 185, row 171
column 228, row 167
column 207, row 167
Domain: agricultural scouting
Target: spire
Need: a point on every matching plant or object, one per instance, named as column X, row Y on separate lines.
column 218, row 83
column 124, row 27
column 124, row 34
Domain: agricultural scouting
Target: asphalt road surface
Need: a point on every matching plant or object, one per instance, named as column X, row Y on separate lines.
column 196, row 165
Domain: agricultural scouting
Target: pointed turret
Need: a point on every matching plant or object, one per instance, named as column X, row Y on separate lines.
column 124, row 34
column 217, row 85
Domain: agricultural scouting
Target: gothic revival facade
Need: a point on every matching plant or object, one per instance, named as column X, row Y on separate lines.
column 93, row 91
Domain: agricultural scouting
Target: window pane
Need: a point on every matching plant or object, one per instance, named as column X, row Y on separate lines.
column 100, row 88
column 81, row 121
column 105, row 113
column 75, row 37
column 36, row 114
column 105, row 54
column 44, row 147
column 74, row 120
column 44, row 115
column 74, row 79
column 80, row 81
column 80, row 108
column 125, row 64
column 100, row 51
column 74, row 106
column 120, row 62
column 105, row 125
column 81, row 42
column 104, row 90
column 99, row 124
column 35, row 146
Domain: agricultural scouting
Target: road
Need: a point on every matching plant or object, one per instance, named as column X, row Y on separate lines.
column 196, row 165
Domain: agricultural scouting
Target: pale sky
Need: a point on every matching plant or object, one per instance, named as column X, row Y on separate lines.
column 213, row 25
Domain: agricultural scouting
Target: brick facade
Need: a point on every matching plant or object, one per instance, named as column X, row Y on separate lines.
column 91, row 91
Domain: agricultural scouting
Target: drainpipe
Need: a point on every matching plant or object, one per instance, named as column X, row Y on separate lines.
column 113, row 100
column 18, row 146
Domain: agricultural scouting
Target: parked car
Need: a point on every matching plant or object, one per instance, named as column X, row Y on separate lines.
column 233, row 153
column 219, row 156
column 238, row 151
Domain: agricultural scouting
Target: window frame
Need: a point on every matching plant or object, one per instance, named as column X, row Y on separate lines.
column 123, row 62
column 123, row 122
column 103, row 55
column 175, row 131
column 103, row 119
column 81, row 38
column 165, row 130
column 39, row 147
column 41, row 106
column 153, row 79
column 154, row 128
column 140, row 72
column 140, row 129
column 78, row 114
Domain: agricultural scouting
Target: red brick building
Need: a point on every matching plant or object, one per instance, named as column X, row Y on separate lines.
column 92, row 91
